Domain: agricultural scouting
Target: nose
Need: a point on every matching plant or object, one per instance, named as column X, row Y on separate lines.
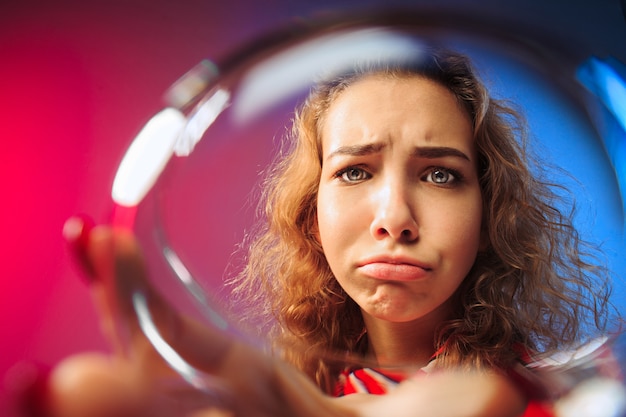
column 395, row 216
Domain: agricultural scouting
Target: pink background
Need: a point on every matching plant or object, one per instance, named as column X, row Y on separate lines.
column 77, row 81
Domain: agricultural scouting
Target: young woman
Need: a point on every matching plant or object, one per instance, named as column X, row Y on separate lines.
column 403, row 226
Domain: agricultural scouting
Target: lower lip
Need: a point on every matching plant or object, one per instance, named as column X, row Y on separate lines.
column 393, row 272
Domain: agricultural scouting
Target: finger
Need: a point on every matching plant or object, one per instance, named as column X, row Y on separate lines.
column 94, row 385
column 76, row 232
column 117, row 259
column 93, row 249
column 213, row 412
column 97, row 386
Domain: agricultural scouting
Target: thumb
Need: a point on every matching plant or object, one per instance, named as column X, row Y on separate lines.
column 111, row 263
column 112, row 260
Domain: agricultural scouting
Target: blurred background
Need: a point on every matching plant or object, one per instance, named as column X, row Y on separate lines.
column 79, row 79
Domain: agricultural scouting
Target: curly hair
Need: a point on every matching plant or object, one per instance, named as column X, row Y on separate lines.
column 536, row 285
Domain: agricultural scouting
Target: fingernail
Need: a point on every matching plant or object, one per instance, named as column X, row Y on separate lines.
column 76, row 232
column 27, row 385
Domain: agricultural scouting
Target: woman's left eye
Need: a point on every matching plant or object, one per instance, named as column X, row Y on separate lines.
column 441, row 176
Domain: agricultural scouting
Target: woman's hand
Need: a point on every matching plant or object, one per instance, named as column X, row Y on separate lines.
column 136, row 381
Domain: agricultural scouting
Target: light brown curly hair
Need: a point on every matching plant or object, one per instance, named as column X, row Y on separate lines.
column 535, row 285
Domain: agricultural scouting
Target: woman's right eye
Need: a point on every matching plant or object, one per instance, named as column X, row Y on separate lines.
column 352, row 174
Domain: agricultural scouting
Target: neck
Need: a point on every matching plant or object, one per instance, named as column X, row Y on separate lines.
column 407, row 343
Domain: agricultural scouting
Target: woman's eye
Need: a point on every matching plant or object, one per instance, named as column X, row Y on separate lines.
column 441, row 176
column 353, row 174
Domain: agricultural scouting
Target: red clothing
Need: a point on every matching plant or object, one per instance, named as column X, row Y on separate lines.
column 596, row 355
column 372, row 381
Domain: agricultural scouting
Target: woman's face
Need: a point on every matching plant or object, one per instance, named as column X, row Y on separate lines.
column 399, row 204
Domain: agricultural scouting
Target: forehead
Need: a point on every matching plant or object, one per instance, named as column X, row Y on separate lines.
column 379, row 107
column 416, row 92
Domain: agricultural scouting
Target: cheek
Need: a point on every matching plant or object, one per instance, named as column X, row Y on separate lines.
column 337, row 225
column 322, row 220
column 328, row 222
column 461, row 231
column 467, row 234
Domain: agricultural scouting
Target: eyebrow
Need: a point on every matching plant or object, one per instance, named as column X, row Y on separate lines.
column 433, row 152
column 357, row 150
column 428, row 152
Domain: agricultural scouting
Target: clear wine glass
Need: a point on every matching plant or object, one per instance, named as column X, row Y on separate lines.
column 188, row 185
